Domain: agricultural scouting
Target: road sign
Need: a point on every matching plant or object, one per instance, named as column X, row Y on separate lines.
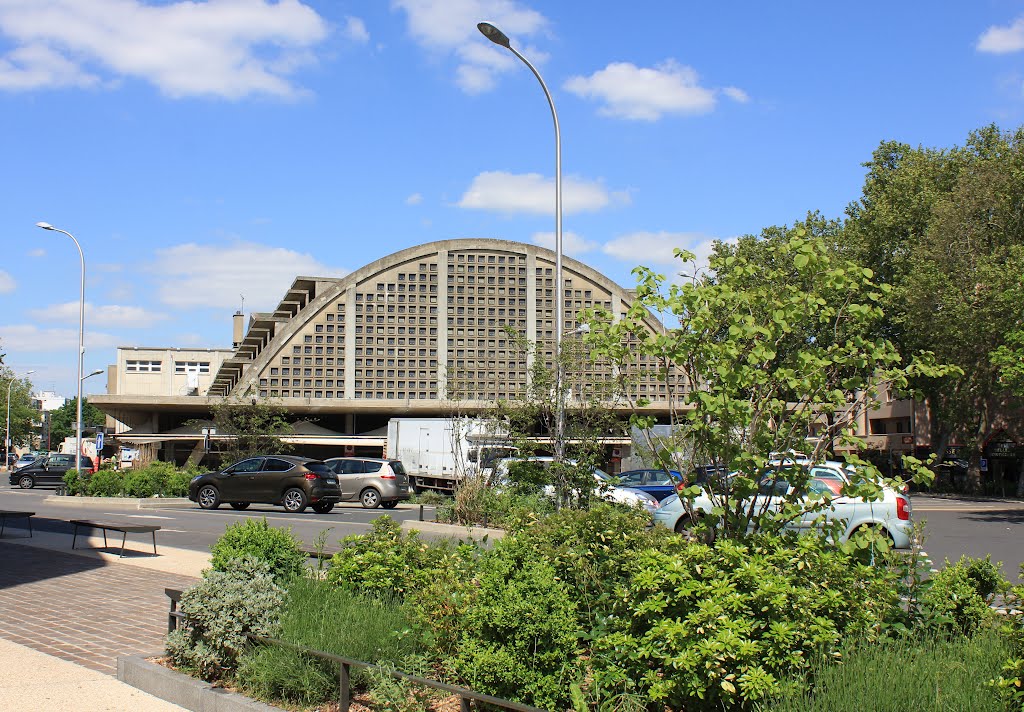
column 99, row 443
column 984, row 465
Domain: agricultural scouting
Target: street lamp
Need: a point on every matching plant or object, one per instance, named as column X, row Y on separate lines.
column 500, row 38
column 7, row 432
column 81, row 344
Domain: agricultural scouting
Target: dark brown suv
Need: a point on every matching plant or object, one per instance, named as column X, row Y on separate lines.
column 293, row 482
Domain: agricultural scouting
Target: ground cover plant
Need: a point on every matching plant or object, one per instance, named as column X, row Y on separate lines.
column 155, row 479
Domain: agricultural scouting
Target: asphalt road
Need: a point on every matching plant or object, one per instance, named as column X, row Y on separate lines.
column 954, row 526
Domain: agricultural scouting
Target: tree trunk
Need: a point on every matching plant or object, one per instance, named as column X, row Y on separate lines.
column 974, row 472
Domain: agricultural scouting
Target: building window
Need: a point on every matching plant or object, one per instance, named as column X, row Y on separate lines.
column 186, row 366
column 133, row 366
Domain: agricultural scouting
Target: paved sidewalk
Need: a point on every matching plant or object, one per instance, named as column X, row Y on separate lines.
column 65, row 617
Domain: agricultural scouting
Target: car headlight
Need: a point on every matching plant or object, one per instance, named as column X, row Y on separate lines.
column 196, row 478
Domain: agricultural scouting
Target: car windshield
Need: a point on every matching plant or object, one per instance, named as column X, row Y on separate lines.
column 397, row 467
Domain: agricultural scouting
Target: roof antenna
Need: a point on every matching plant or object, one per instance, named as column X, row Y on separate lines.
column 242, row 310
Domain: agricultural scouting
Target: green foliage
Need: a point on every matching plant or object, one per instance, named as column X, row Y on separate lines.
column 478, row 503
column 386, row 561
column 256, row 424
column 106, row 483
column 75, row 483
column 176, row 484
column 22, row 414
column 781, row 335
column 221, row 610
column 324, row 617
column 1008, row 685
column 733, row 623
column 393, row 695
column 62, row 420
column 919, row 672
column 255, row 538
column 141, row 483
column 958, row 595
column 519, row 639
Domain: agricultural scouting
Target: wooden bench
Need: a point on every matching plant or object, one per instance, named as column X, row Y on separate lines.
column 4, row 513
column 125, row 530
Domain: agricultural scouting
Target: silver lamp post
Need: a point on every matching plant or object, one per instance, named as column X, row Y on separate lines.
column 81, row 344
column 500, row 38
column 7, row 431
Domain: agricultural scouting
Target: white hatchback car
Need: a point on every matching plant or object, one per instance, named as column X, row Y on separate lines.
column 892, row 513
column 602, row 484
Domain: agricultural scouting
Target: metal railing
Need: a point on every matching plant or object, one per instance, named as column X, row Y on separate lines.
column 466, row 696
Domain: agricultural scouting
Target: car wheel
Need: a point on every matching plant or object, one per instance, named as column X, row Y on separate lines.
column 239, row 505
column 390, row 504
column 370, row 498
column 294, row 500
column 26, row 482
column 208, row 497
column 323, row 507
column 689, row 529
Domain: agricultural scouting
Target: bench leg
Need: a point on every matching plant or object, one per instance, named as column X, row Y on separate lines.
column 73, row 540
column 154, row 543
column 3, row 523
column 29, row 526
column 124, row 535
column 104, row 538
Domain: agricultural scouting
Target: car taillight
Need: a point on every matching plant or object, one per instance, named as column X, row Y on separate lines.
column 388, row 476
column 903, row 508
column 312, row 476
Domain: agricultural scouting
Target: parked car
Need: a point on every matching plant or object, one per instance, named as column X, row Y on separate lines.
column 892, row 513
column 47, row 470
column 372, row 481
column 662, row 484
column 603, row 487
column 290, row 481
column 27, row 459
column 12, row 457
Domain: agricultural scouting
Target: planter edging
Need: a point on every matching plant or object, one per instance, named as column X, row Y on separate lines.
column 182, row 690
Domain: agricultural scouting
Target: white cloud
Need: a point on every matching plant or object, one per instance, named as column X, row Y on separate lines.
column 38, row 252
column 194, row 275
column 414, row 199
column 572, row 244
column 449, row 26
column 644, row 94
column 533, row 193
column 7, row 283
column 103, row 315
column 1003, row 40
column 28, row 337
column 736, row 94
column 355, row 30
column 225, row 48
column 646, row 248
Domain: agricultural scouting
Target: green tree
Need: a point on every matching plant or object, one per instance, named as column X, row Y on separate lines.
column 23, row 415
column 946, row 228
column 62, row 420
column 776, row 340
column 254, row 426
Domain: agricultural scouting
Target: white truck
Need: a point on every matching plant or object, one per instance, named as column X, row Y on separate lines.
column 438, row 452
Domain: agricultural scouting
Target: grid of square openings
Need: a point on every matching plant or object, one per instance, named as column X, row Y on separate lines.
column 313, row 364
column 396, row 328
column 487, row 296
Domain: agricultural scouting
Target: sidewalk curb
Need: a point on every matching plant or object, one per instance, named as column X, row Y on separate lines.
column 182, row 690
column 123, row 502
column 457, row 531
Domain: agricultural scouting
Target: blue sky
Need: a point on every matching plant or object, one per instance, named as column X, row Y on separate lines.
column 201, row 151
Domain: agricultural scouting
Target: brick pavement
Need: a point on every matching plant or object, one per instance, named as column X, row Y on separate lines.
column 82, row 609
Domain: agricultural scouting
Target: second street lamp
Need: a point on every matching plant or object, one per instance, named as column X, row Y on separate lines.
column 500, row 38
column 81, row 343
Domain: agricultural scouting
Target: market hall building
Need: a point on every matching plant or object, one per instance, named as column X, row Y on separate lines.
column 408, row 335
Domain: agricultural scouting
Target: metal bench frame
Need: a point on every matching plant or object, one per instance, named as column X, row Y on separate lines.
column 4, row 513
column 125, row 529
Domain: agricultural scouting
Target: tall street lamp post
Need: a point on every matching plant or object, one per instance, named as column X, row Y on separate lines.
column 500, row 38
column 7, row 432
column 81, row 344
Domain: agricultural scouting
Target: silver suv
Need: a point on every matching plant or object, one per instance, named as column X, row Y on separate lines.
column 371, row 481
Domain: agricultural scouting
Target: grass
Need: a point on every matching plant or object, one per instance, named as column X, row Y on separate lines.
column 323, row 617
column 897, row 675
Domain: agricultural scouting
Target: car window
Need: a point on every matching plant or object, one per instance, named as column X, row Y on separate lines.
column 59, row 460
column 273, row 464
column 635, row 477
column 253, row 464
column 771, row 487
column 347, row 467
column 318, row 467
column 397, row 467
column 371, row 466
column 825, row 485
column 658, row 477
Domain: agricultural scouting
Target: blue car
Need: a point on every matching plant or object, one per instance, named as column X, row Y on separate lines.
column 654, row 482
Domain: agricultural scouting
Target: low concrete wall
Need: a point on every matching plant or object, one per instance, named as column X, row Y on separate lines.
column 125, row 502
column 183, row 690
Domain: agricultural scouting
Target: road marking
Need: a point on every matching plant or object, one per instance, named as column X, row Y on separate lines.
column 138, row 516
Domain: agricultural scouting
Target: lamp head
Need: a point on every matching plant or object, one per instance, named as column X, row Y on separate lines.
column 494, row 34
column 45, row 226
column 29, row 372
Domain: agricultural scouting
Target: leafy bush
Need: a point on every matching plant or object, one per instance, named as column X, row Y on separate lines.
column 257, row 539
column 177, row 483
column 700, row 627
column 520, row 638
column 105, row 483
column 1009, row 684
column 958, row 596
column 141, row 483
column 386, row 561
column 220, row 610
column 76, row 484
